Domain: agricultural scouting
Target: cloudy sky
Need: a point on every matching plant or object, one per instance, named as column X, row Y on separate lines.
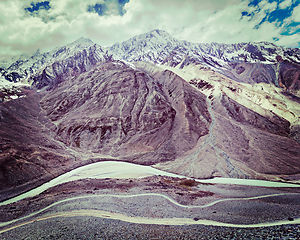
column 26, row 25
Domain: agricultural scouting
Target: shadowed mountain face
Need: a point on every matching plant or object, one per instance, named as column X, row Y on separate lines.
column 207, row 110
column 240, row 144
column 28, row 153
column 252, row 73
column 289, row 75
column 285, row 74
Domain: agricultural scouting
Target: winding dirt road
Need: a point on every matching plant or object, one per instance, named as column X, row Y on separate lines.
column 143, row 220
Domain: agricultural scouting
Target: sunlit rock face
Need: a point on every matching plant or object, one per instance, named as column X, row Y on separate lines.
column 273, row 124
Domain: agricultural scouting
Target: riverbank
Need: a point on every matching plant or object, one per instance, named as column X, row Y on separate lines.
column 124, row 170
column 157, row 199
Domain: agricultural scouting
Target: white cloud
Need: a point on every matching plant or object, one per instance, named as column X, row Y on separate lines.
column 289, row 41
column 193, row 20
column 266, row 6
column 296, row 14
column 228, row 26
column 285, row 4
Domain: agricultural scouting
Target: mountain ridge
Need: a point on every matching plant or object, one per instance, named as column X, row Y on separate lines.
column 186, row 108
column 133, row 50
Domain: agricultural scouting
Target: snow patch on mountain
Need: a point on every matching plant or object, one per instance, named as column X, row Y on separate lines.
column 10, row 91
column 157, row 47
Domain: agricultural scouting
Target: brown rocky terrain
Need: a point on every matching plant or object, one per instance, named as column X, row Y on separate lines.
column 198, row 110
column 27, row 151
column 122, row 112
column 142, row 116
column 112, row 110
column 246, row 139
column 252, row 72
column 289, row 75
column 283, row 73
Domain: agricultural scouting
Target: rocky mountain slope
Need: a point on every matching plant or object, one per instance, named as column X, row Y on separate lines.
column 122, row 112
column 201, row 110
column 246, row 139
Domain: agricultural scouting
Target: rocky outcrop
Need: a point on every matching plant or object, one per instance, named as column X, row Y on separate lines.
column 192, row 116
column 288, row 75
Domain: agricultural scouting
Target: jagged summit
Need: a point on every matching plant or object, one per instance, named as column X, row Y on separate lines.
column 82, row 42
column 156, row 45
column 156, row 33
column 242, row 62
column 36, row 54
column 66, row 56
column 151, row 46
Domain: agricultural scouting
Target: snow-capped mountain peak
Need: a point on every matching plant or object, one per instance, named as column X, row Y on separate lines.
column 27, row 67
column 151, row 46
column 156, row 46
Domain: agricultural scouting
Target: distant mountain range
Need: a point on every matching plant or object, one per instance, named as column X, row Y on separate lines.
column 157, row 47
column 201, row 110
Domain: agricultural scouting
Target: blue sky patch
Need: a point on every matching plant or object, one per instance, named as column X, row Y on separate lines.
column 121, row 6
column 245, row 14
column 254, row 3
column 291, row 29
column 103, row 8
column 280, row 14
column 271, row 16
column 37, row 6
column 123, row 2
column 275, row 16
column 98, row 8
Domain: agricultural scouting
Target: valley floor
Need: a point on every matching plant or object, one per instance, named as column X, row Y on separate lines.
column 102, row 228
column 152, row 207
